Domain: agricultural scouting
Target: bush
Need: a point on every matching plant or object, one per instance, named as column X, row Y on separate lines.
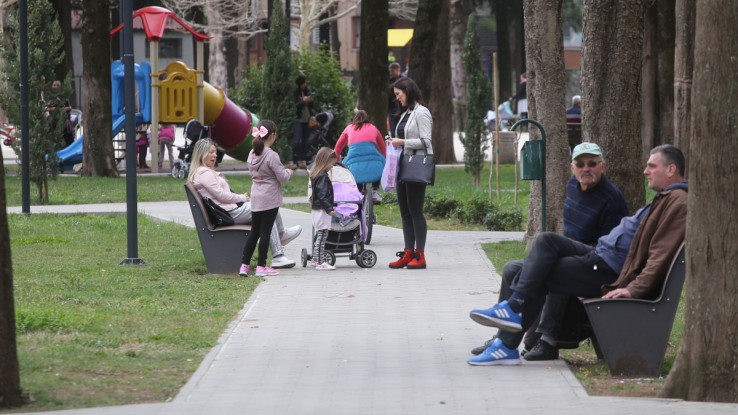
column 475, row 210
column 498, row 220
column 247, row 94
column 332, row 92
column 441, row 207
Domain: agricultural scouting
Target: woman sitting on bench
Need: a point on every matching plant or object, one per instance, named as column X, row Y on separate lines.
column 212, row 184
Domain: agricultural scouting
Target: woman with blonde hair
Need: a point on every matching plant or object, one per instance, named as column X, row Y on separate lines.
column 212, row 184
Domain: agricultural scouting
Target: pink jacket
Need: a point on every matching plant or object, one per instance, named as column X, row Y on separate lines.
column 212, row 184
column 368, row 132
column 267, row 173
column 167, row 133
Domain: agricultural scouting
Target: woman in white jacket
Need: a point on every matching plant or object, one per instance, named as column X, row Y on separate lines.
column 413, row 129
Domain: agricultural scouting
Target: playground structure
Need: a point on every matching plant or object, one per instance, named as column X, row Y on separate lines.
column 173, row 95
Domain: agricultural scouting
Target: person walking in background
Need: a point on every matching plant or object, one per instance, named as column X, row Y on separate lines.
column 521, row 97
column 322, row 204
column 267, row 174
column 412, row 131
column 392, row 110
column 166, row 139
column 366, row 152
column 212, row 184
column 303, row 99
column 142, row 146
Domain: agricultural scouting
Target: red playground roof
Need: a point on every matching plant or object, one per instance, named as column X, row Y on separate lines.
column 154, row 21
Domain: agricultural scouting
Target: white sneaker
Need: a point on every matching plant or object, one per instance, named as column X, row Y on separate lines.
column 282, row 262
column 290, row 234
column 324, row 267
column 376, row 197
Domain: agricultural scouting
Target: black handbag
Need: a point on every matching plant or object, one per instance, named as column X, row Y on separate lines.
column 218, row 215
column 418, row 168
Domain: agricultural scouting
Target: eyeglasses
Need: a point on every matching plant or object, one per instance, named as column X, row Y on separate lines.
column 591, row 164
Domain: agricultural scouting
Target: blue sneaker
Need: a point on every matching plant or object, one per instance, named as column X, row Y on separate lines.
column 496, row 354
column 500, row 316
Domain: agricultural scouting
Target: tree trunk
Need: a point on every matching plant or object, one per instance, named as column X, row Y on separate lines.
column 442, row 103
column 64, row 17
column 458, row 18
column 683, row 69
column 422, row 53
column 510, row 45
column 373, row 86
column 10, row 389
column 218, row 71
column 544, row 46
column 704, row 369
column 612, row 43
column 98, row 158
column 657, row 90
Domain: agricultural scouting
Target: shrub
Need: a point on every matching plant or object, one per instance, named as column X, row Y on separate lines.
column 441, row 207
column 247, row 94
column 511, row 220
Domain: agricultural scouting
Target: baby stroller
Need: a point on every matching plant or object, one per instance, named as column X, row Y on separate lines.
column 348, row 236
column 317, row 137
column 193, row 132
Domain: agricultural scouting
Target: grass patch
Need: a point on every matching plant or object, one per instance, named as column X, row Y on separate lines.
column 93, row 333
column 592, row 373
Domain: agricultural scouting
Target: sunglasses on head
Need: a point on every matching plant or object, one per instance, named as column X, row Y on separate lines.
column 590, row 164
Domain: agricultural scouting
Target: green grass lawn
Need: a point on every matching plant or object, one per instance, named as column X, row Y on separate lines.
column 92, row 333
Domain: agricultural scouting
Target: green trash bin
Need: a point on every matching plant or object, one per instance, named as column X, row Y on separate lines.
column 531, row 160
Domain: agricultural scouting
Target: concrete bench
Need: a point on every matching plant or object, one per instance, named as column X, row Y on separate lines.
column 222, row 246
column 633, row 333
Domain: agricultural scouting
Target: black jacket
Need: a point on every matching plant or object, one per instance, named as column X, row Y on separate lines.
column 299, row 103
column 322, row 193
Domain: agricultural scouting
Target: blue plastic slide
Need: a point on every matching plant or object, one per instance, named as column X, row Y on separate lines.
column 72, row 154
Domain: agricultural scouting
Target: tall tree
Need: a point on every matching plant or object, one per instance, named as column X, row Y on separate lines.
column 704, row 369
column 64, row 16
column 657, row 90
column 373, row 59
column 278, row 83
column 10, row 389
column 480, row 93
column 544, row 47
column 458, row 15
column 612, row 43
column 422, row 53
column 510, row 44
column 683, row 68
column 440, row 102
column 98, row 158
column 46, row 106
column 315, row 13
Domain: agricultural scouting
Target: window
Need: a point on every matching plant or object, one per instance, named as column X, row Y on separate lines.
column 356, row 26
column 168, row 48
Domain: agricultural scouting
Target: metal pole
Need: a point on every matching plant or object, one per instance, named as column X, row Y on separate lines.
column 25, row 145
column 543, row 179
column 126, row 10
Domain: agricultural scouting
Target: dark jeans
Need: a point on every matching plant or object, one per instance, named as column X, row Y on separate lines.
column 410, row 198
column 300, row 137
column 560, row 265
column 393, row 121
column 261, row 229
column 142, row 150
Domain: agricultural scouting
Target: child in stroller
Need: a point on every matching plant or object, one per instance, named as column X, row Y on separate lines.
column 347, row 231
column 193, row 131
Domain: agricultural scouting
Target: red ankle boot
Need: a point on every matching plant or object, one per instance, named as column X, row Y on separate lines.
column 405, row 258
column 418, row 261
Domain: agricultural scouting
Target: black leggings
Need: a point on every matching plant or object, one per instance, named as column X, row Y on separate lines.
column 261, row 229
column 411, row 197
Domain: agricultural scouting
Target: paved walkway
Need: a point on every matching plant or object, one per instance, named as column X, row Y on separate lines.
column 373, row 341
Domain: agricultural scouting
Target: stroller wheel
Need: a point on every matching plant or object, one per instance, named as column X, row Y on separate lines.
column 182, row 173
column 366, row 258
column 304, row 257
column 330, row 257
column 175, row 171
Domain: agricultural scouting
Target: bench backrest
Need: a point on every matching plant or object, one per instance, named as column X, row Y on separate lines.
column 198, row 208
column 674, row 280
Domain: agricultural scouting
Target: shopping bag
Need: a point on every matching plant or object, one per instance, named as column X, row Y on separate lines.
column 392, row 162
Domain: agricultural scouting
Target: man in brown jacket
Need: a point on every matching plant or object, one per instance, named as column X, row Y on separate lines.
column 631, row 261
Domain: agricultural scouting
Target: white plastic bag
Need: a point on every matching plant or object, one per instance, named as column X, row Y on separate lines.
column 392, row 162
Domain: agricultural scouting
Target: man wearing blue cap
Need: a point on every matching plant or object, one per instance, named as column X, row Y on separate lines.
column 593, row 207
column 631, row 261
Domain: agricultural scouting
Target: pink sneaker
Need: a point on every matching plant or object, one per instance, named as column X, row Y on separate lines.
column 244, row 271
column 264, row 271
